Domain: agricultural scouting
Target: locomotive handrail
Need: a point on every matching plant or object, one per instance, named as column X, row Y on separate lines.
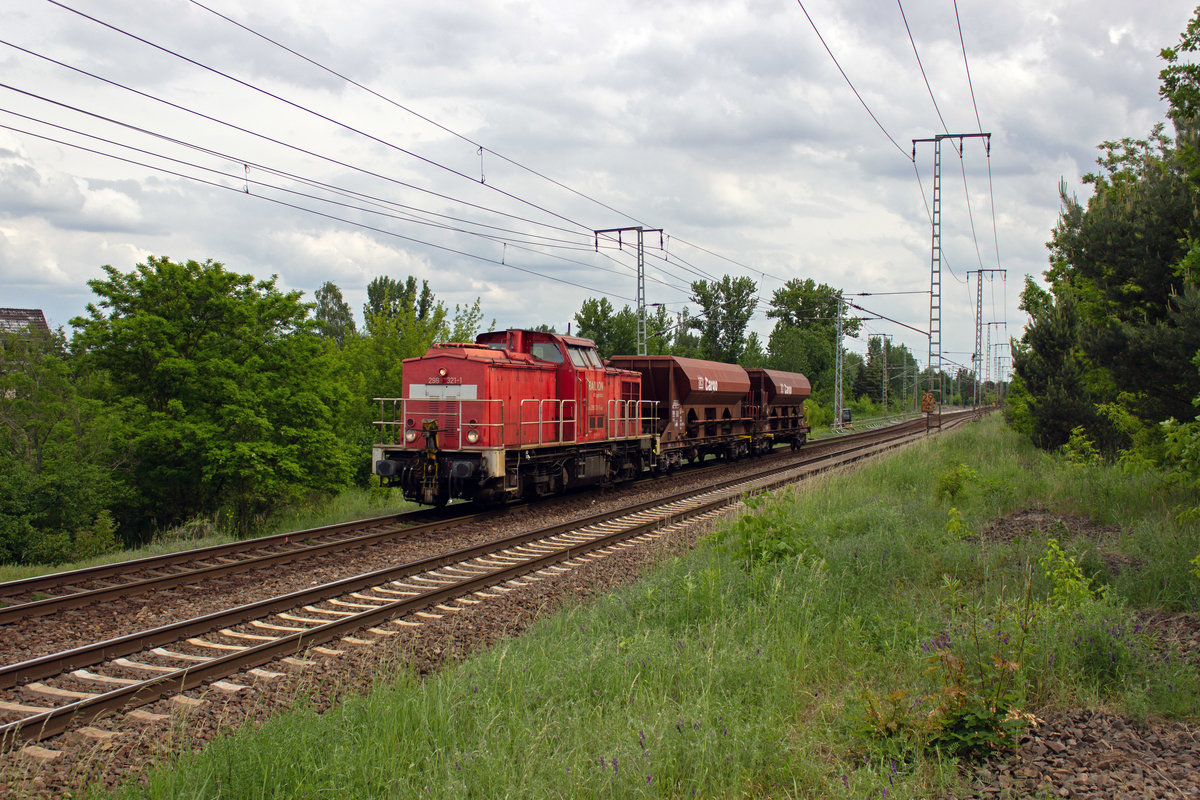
column 634, row 422
column 560, row 417
column 451, row 408
column 627, row 419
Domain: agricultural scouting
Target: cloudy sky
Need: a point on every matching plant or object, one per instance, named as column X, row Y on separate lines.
column 724, row 123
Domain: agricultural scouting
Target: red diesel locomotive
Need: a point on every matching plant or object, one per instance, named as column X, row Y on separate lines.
column 519, row 414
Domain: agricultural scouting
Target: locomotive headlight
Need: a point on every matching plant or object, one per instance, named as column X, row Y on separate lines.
column 410, row 435
column 442, row 372
column 472, row 436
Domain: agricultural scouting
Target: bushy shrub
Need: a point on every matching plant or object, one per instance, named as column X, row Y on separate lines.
column 768, row 534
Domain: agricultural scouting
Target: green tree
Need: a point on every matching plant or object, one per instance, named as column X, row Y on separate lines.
column 334, row 320
column 230, row 399
column 726, row 306
column 614, row 332
column 1120, row 324
column 805, row 332
column 59, row 451
column 388, row 298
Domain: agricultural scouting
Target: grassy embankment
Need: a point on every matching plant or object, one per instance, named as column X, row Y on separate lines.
column 349, row 505
column 841, row 641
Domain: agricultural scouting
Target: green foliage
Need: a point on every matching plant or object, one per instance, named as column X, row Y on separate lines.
column 1080, row 449
column 955, row 525
column 976, row 666
column 59, row 449
column 1071, row 589
column 332, row 313
column 615, row 333
column 1181, row 79
column 1123, row 310
column 978, row 713
column 726, row 306
column 96, row 540
column 227, row 389
column 768, row 534
column 388, row 298
column 951, row 482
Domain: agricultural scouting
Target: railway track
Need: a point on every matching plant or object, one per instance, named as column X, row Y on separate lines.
column 48, row 594
column 53, row 693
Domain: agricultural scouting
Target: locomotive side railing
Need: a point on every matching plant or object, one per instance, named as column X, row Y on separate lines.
column 538, row 421
column 546, row 417
column 631, row 418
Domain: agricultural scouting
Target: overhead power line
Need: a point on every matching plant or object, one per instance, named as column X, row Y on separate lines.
column 302, row 108
column 333, row 217
column 848, row 81
column 925, row 77
column 483, row 148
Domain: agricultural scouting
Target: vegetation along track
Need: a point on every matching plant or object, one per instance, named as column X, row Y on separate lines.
column 51, row 693
column 47, row 594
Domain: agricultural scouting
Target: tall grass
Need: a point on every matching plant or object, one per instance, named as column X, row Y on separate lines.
column 814, row 648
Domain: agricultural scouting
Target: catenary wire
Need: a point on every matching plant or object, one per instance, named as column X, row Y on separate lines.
column 416, row 114
column 319, row 115
column 264, row 137
column 334, row 217
column 848, row 81
column 284, row 144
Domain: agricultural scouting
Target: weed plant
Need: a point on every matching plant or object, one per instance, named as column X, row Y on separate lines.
column 857, row 636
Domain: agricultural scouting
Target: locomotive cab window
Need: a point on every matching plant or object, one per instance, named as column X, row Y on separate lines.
column 546, row 351
column 584, row 357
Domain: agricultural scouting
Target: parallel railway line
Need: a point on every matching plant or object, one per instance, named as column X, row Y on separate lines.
column 105, row 582
column 133, row 670
column 47, row 594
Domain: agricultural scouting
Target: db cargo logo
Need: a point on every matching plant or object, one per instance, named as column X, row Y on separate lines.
column 785, row 389
column 706, row 384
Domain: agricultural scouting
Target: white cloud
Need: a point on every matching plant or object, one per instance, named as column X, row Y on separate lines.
column 725, row 123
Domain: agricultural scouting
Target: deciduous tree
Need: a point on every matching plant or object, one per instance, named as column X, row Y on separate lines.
column 232, row 406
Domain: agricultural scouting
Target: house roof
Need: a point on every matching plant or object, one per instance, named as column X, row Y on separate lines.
column 16, row 320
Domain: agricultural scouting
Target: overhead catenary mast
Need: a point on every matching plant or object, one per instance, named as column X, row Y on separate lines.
column 934, row 418
column 641, row 274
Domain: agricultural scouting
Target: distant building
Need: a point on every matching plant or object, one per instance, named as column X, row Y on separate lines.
column 18, row 320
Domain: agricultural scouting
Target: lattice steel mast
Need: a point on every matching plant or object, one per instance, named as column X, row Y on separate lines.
column 641, row 274
column 935, row 267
